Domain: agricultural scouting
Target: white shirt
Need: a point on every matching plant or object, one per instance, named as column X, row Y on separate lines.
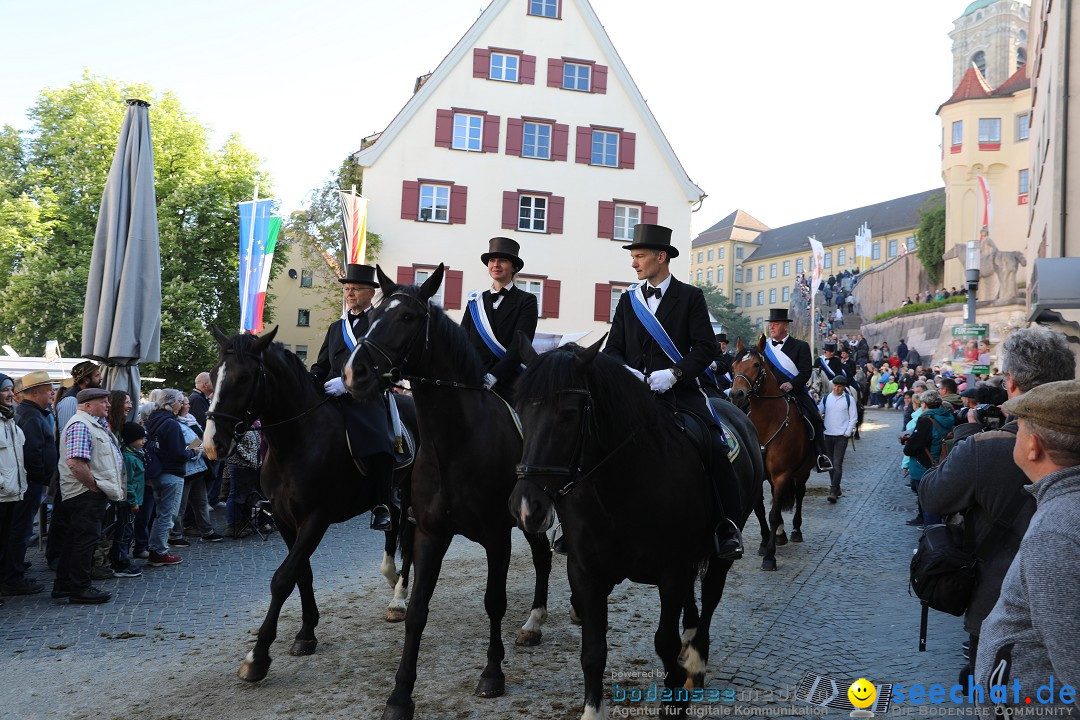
column 654, row 302
column 841, row 413
column 498, row 298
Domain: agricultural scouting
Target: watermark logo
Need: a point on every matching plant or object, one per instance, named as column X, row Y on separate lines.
column 861, row 696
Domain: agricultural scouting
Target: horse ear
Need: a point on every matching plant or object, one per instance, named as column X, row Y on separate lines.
column 387, row 285
column 526, row 352
column 221, row 337
column 585, row 357
column 761, row 343
column 431, row 285
column 263, row 341
column 739, row 347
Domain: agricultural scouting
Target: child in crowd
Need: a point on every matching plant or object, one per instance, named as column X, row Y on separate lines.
column 134, row 440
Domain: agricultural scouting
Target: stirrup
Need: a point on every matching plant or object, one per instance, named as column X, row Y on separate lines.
column 722, row 548
column 558, row 542
column 824, row 464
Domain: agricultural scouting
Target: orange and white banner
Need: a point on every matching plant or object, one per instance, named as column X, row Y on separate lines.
column 354, row 224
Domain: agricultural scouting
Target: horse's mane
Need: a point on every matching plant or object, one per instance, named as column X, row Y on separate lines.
column 241, row 345
column 621, row 403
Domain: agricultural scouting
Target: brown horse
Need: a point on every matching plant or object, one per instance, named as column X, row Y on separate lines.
column 785, row 446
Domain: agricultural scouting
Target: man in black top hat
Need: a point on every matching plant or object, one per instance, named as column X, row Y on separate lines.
column 794, row 367
column 367, row 423
column 494, row 316
column 721, row 366
column 683, row 314
column 828, row 362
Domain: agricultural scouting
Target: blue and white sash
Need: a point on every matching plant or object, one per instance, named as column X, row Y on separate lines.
column 825, row 367
column 659, row 334
column 483, row 325
column 783, row 364
column 347, row 332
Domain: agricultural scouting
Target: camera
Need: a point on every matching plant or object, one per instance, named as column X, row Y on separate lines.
column 989, row 416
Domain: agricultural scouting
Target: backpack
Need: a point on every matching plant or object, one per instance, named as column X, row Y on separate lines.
column 154, row 468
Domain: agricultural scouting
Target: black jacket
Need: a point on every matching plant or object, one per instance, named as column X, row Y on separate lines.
column 39, row 453
column 334, row 352
column 517, row 311
column 799, row 352
column 200, row 404
column 163, row 429
column 835, row 367
column 684, row 315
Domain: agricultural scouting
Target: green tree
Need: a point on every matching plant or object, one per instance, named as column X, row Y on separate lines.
column 930, row 237
column 736, row 325
column 51, row 182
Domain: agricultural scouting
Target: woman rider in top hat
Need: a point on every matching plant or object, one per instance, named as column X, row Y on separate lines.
column 493, row 317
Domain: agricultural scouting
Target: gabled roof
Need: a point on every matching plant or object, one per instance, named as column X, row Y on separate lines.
column 972, row 85
column 369, row 156
column 723, row 230
column 1017, row 81
column 883, row 218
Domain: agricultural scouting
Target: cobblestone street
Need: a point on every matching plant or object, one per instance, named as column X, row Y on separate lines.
column 169, row 643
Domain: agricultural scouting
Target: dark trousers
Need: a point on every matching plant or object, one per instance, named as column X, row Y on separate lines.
column 23, row 514
column 123, row 531
column 7, row 515
column 809, row 410
column 143, row 518
column 83, row 514
column 213, row 487
column 835, row 447
column 58, row 527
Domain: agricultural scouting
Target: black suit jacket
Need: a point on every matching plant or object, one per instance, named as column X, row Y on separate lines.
column 334, row 353
column 684, row 315
column 517, row 311
column 799, row 352
column 199, row 407
column 835, row 366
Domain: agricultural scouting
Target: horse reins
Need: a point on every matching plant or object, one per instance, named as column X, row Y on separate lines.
column 755, row 386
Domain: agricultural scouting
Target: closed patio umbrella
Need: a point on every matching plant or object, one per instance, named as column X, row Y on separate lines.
column 122, row 312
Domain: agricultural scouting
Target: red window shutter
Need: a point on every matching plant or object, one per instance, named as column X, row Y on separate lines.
column 602, row 306
column 627, row 141
column 555, row 69
column 410, row 200
column 406, row 275
column 491, row 133
column 481, row 63
column 605, row 223
column 560, row 141
column 599, row 79
column 584, row 145
column 458, row 196
column 528, row 70
column 444, row 128
column 551, row 299
column 555, row 215
column 452, row 290
column 650, row 214
column 515, row 131
column 510, row 210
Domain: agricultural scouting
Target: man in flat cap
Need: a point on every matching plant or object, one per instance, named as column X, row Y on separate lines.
column 367, row 423
column 980, row 478
column 840, row 414
column 1031, row 636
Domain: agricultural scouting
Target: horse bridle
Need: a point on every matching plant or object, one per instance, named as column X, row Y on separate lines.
column 394, row 373
column 755, row 386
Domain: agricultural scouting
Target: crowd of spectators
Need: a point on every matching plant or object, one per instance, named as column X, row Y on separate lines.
column 939, row 294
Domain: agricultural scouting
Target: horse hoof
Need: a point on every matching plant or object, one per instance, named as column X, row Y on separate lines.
column 762, row 548
column 490, row 687
column 395, row 615
column 796, row 536
column 399, row 712
column 781, row 539
column 575, row 619
column 528, row 638
column 252, row 671
column 303, row 647
column 768, row 564
column 695, row 681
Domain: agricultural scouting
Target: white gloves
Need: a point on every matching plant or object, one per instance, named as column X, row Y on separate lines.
column 489, row 381
column 635, row 373
column 334, row 387
column 661, row 381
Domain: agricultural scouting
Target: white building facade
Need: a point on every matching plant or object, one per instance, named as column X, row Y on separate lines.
column 530, row 128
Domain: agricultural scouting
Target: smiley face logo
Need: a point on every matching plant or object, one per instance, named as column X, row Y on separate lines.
column 862, row 693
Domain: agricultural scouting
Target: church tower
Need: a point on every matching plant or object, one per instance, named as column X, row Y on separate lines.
column 992, row 35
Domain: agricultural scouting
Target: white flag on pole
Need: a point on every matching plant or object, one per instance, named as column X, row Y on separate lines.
column 818, row 251
column 862, row 241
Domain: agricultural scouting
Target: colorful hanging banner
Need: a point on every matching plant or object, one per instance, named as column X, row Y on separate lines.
column 258, row 237
column 354, row 224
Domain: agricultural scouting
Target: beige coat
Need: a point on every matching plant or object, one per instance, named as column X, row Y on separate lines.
column 106, row 464
column 12, row 470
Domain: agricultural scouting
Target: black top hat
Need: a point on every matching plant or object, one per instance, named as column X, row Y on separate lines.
column 721, row 337
column 830, row 347
column 778, row 315
column 504, row 247
column 359, row 275
column 653, row 237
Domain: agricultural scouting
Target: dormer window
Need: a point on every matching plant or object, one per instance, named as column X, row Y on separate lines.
column 545, row 8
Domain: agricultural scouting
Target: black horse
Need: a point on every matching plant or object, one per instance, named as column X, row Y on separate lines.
column 634, row 500
column 464, row 467
column 308, row 475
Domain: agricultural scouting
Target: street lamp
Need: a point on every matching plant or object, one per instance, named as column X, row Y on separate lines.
column 971, row 273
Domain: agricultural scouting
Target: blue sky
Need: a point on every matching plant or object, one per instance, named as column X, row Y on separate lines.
column 786, row 109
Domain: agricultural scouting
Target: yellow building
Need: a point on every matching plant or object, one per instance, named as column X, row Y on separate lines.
column 985, row 133
column 306, row 298
column 772, row 259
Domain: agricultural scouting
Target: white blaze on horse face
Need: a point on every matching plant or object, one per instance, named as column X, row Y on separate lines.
column 211, row 426
column 393, row 304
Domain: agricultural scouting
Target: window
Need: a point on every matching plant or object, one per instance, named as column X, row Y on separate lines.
column 772, row 270
column 1023, row 184
column 760, row 297
column 468, row 132
column 979, row 60
column 738, row 274
column 532, row 213
column 827, row 262
column 989, row 133
column 798, row 266
column 303, row 318
column 536, row 140
column 544, row 8
column 772, row 295
column 1023, row 127
column 910, row 242
column 787, row 268
column 301, row 352
column 957, row 135
column 749, row 299
column 710, row 254
column 893, row 247
column 875, row 250
column 699, row 255
column 626, row 218
column 699, row 276
column 738, row 252
column 305, row 277
column 605, row 148
column 720, row 253
column 738, row 298
column 422, row 274
column 536, row 287
column 720, row 274
column 761, row 273
column 616, row 293
column 785, row 295
column 435, row 203
column 576, row 76
column 709, row 276
column 504, row 67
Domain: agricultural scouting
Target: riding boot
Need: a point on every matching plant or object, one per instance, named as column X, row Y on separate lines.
column 382, row 475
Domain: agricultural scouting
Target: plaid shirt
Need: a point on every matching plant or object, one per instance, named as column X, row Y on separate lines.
column 78, row 439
